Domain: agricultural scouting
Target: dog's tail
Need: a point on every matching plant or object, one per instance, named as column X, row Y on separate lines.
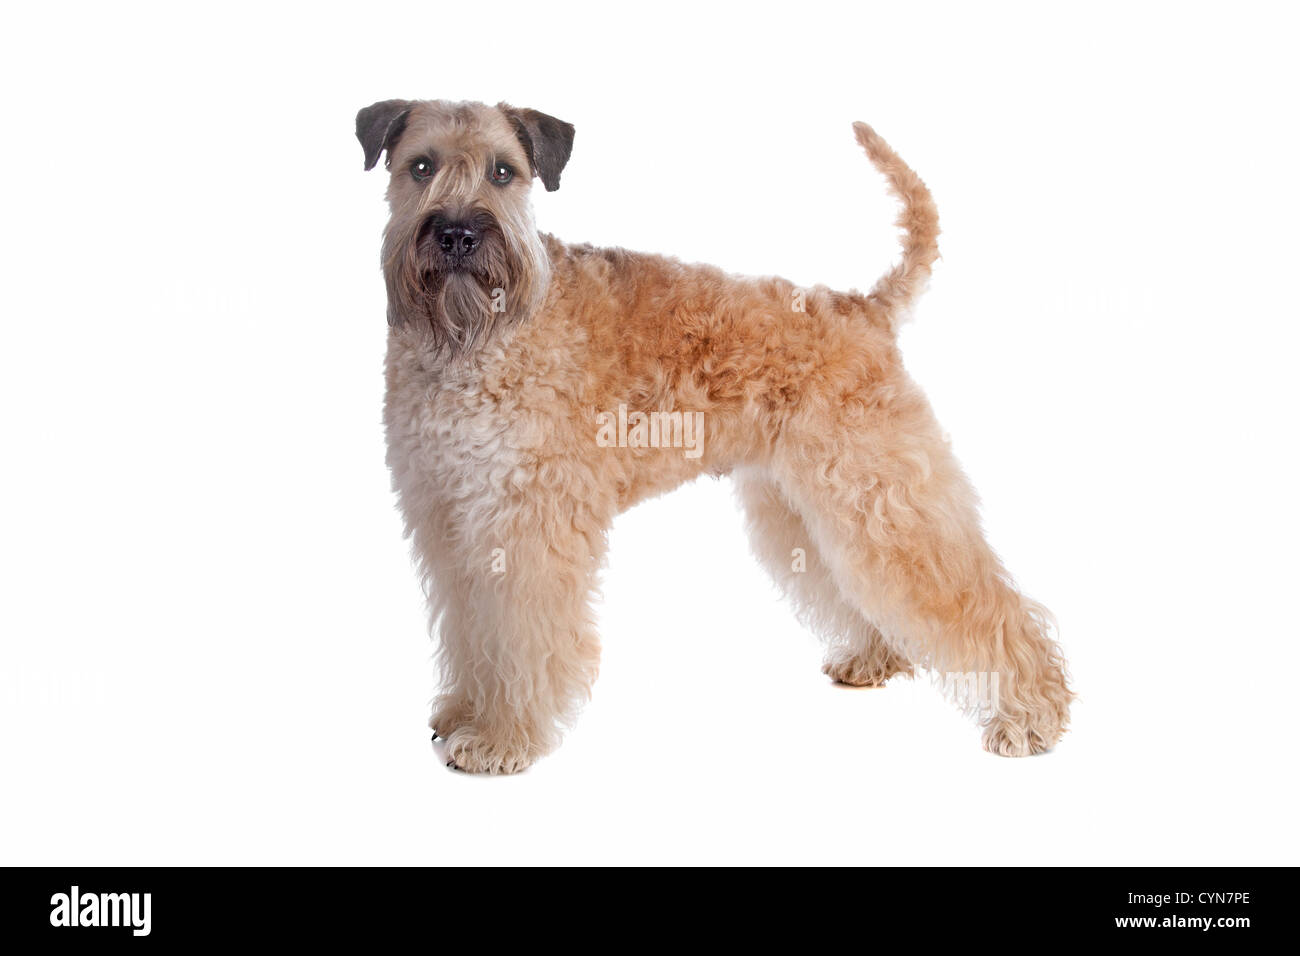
column 896, row 289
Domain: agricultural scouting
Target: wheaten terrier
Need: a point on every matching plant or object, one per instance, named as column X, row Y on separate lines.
column 536, row 389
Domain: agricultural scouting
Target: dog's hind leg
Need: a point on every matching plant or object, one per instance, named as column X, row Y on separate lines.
column 856, row 651
column 888, row 505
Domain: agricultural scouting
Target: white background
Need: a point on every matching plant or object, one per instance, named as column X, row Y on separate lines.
column 214, row 649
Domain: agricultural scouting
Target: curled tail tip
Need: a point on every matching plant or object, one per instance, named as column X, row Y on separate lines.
column 896, row 289
column 867, row 137
column 878, row 151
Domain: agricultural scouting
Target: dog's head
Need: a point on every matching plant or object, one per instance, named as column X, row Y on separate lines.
column 461, row 254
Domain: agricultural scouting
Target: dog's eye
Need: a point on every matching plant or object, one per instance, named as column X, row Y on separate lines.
column 421, row 170
column 502, row 174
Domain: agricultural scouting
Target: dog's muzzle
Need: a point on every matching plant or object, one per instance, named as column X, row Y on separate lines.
column 456, row 240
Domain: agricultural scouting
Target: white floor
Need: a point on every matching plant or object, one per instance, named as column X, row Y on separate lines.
column 712, row 738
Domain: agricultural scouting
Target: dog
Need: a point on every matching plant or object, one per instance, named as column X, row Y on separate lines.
column 510, row 357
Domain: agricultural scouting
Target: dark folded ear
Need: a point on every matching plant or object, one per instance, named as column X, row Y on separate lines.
column 379, row 126
column 547, row 141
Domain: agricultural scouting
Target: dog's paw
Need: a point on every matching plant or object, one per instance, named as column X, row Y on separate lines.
column 858, row 672
column 1009, row 739
column 448, row 716
column 473, row 752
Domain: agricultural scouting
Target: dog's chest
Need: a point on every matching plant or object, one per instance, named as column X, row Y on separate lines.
column 463, row 429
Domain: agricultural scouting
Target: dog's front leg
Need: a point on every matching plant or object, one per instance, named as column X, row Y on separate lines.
column 519, row 650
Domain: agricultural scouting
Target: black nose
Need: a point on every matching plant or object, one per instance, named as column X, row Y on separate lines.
column 457, row 241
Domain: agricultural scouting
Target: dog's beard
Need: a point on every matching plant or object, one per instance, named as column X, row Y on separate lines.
column 461, row 304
